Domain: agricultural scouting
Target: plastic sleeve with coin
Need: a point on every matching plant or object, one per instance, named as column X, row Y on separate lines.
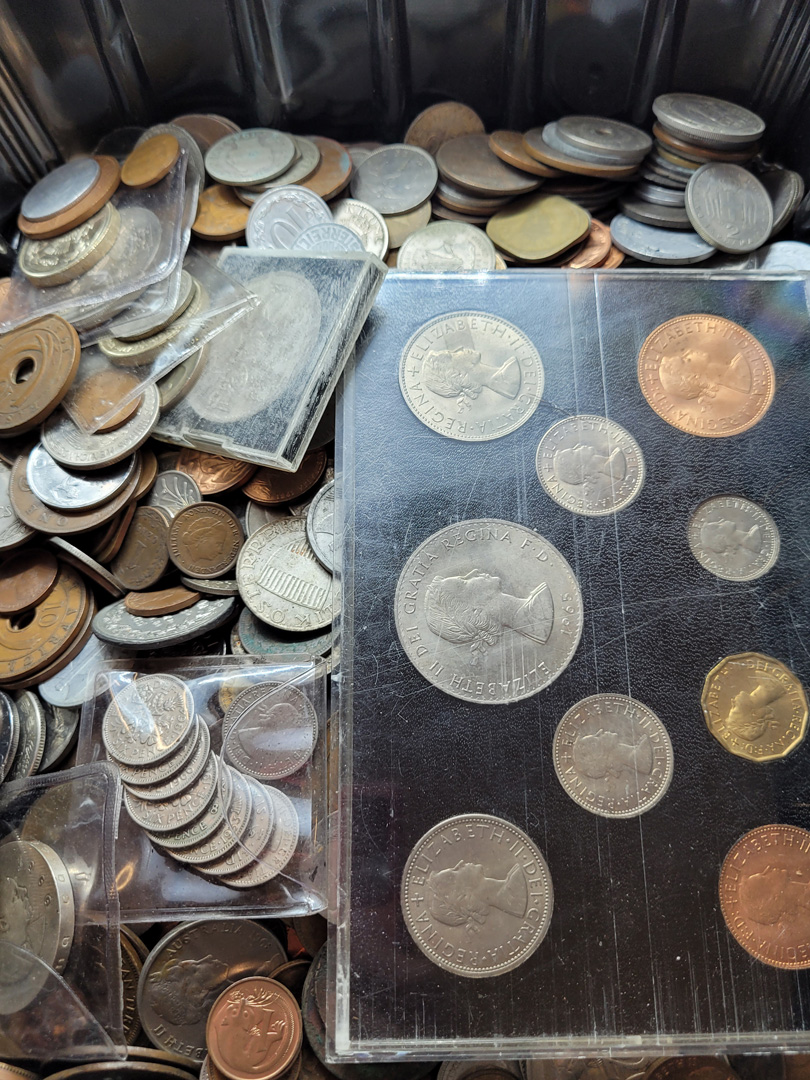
column 59, row 936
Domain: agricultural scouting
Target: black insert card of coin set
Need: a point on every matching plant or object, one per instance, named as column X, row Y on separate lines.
column 637, row 955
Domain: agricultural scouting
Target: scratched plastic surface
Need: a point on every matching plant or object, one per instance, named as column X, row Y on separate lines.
column 638, row 957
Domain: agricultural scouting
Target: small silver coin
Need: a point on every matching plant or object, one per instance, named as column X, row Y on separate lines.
column 148, row 720
column 613, row 756
column 69, row 687
column 278, row 218
column 115, row 624
column 61, row 731
column 366, row 222
column 476, row 896
column 95, row 571
column 699, row 118
column 210, row 822
column 233, row 825
column 664, row 247
column 259, row 639
column 31, row 716
column 61, row 489
column 729, row 207
column 187, row 776
column 395, row 178
column 60, row 189
column 447, row 245
column 75, row 449
column 253, row 840
column 214, row 587
column 733, row 538
column 328, row 237
column 624, row 143
column 250, row 156
column 655, row 214
column 321, row 525
column 269, row 731
column 179, row 811
column 9, row 733
column 148, row 776
column 280, row 849
column 173, row 490
column 13, row 532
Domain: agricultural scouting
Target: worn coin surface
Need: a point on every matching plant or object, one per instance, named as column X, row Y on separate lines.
column 689, row 1068
column 309, row 157
column 590, row 465
column 253, row 840
column 365, row 222
column 327, row 237
column 469, row 162
column 211, row 473
column 88, row 566
column 476, row 870
column 706, row 375
column 173, row 490
column 332, row 174
column 733, row 538
column 63, row 258
column 38, row 363
column 178, row 811
column 441, row 122
column 148, row 720
column 160, row 602
column 31, row 719
column 205, row 539
column 26, row 578
column 395, row 178
column 251, row 156
column 401, row 226
column 28, row 645
column 131, row 964
column 9, row 733
column 211, row 845
column 272, row 486
column 538, row 227
column 115, row 624
column 174, row 386
column 755, row 706
column 144, row 554
column 243, row 1058
column 707, row 119
column 188, row 773
column 762, row 888
column 447, row 245
column 64, row 490
column 134, row 352
column 488, row 611
column 611, row 140
column 508, row 145
column 75, row 449
column 221, row 215
column 94, row 397
column 61, row 731
column 664, row 247
column 150, row 161
column 213, row 587
column 471, row 376
column 259, row 639
column 144, row 776
column 60, row 189
column 278, row 217
column 321, row 525
column 13, row 531
column 68, row 688
column 729, row 207
column 270, row 730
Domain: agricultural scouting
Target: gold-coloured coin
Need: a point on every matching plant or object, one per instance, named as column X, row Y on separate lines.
column 220, row 214
column 31, row 641
column 150, row 161
column 755, row 706
column 65, row 257
column 538, row 227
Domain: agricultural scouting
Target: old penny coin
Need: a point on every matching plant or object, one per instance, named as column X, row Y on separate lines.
column 762, row 888
column 596, row 249
column 755, row 706
column 26, row 578
column 706, row 375
column 239, row 1058
column 333, row 170
column 96, row 395
column 475, row 870
column 272, row 486
column 29, row 642
column 733, row 538
column 212, row 473
column 469, row 162
column 205, row 539
column 150, row 161
column 148, row 720
column 221, row 215
column 508, row 145
column 161, row 602
column 538, row 227
column 84, row 208
column 488, row 611
column 439, row 123
column 38, row 362
column 144, row 554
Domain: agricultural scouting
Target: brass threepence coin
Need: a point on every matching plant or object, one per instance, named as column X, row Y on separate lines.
column 65, row 257
column 144, row 554
column 205, row 539
column 706, row 375
column 228, row 1049
column 469, row 162
column 90, row 203
column 29, row 643
column 755, row 706
column 161, row 602
column 221, row 216
column 38, row 362
column 272, row 486
column 214, row 474
column 538, row 227
column 733, row 538
column 763, row 884
column 95, row 396
column 26, row 578
column 150, row 161
column 439, row 123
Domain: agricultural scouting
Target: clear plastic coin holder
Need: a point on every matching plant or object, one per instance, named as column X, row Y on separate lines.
column 60, row 949
column 267, row 381
column 274, row 828
column 217, row 303
column 436, row 950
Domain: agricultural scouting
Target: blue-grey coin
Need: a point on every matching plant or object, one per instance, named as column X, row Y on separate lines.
column 786, row 190
column 60, row 189
column 115, row 624
column 262, row 640
column 594, row 156
column 660, row 217
column 729, row 207
column 617, row 143
column 9, row 733
column 328, row 236
column 785, row 256
column 664, row 247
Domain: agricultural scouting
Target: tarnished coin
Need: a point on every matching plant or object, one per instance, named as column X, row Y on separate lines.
column 328, row 237
column 691, row 1068
column 365, row 222
column 590, row 465
column 236, row 1056
column 213, row 587
column 146, row 326
column 209, row 825
column 706, row 375
column 87, row 565
column 144, row 555
column 172, row 491
column 762, row 889
column 251, row 156
column 488, row 611
column 61, row 732
column 91, row 399
column 205, row 128
column 134, row 352
column 257, row 514
column 28, row 645
column 63, row 490
column 269, row 731
column 321, row 525
column 13, row 531
column 786, row 190
column 115, row 625
column 259, row 639
column 441, row 122
column 755, row 706
column 537, row 142
column 146, row 776
column 211, row 473
column 395, row 178
column 38, row 362
column 308, row 160
column 292, row 975
column 205, row 539
column 278, row 217
column 150, row 161
column 729, row 207
column 447, row 245
column 610, row 140
column 221, row 215
column 272, row 486
column 131, row 965
column 469, row 162
column 54, row 262
column 9, row 733
column 401, row 226
column 62, row 657
column 75, row 449
column 26, row 578
column 161, row 602
column 471, row 376
column 508, row 145
column 476, row 870
column 69, row 687
column 31, row 719
column 332, row 174
column 706, row 119
column 663, row 247
column 538, row 227
column 148, row 720
column 60, row 189
column 178, row 811
column 733, row 538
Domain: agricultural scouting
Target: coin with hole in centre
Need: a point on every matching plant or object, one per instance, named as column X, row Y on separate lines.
column 38, row 362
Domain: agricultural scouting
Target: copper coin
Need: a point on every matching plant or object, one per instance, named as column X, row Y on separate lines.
column 446, row 214
column 110, row 539
column 205, row 539
column 94, row 396
column 26, row 578
column 150, row 161
column 220, row 214
column 30, row 641
column 333, row 172
column 508, row 145
column 230, row 1048
column 615, row 258
column 703, row 153
column 149, row 471
column 292, row 975
column 63, row 658
column 144, row 554
column 536, row 147
column 272, row 486
column 691, row 1068
column 89, row 204
column 160, row 602
column 213, row 473
column 706, row 375
column 38, row 362
column 468, row 162
column 439, row 123
column 205, row 128
column 595, row 249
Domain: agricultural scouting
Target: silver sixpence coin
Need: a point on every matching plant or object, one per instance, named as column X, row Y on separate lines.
column 395, row 178
column 321, row 525
column 706, row 119
column 269, row 731
column 664, row 247
column 60, row 189
column 476, row 896
column 278, row 218
column 13, row 532
column 366, row 222
column 75, row 449
column 253, row 840
column 209, row 823
column 613, row 756
column 69, row 687
column 187, row 776
column 31, row 716
column 9, row 733
column 729, row 207
column 63, row 490
column 447, row 245
column 615, row 142
column 238, row 797
column 61, row 731
column 488, row 611
column 733, row 538
column 471, row 376
column 328, row 237
column 590, row 465
column 173, row 490
column 117, row 626
column 155, row 777
column 148, row 720
column 279, row 850
column 251, row 156
column 180, row 810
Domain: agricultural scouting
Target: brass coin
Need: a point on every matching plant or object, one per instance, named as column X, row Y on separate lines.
column 220, row 215
column 213, row 473
column 144, row 554
column 161, row 602
column 62, row 660
column 89, row 204
column 401, row 226
column 150, row 161
column 439, row 123
column 334, row 170
column 272, row 486
column 131, row 966
column 595, row 250
column 508, row 145
column 26, row 578
column 755, row 706
column 706, row 375
column 205, row 540
column 63, row 258
column 469, row 162
column 38, row 362
column 538, row 227
column 30, row 641
column 94, row 396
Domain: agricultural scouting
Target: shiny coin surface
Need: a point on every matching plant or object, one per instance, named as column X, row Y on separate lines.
column 150, row 161
column 211, row 473
column 69, row 687
column 38, row 362
column 729, row 207
column 538, row 227
column 144, row 554
column 365, row 222
column 64, row 490
column 26, row 578
column 395, row 179
column 172, row 491
column 706, row 375
column 328, row 236
column 54, row 262
column 707, row 119
column 31, row 719
column 272, row 486
column 75, row 449
column 235, row 1056
column 481, row 864
column 664, row 247
column 447, row 245
column 595, row 249
column 321, row 525
column 269, row 731
column 755, row 706
column 251, row 156
column 469, row 162
column 60, row 189
column 613, row 756
column 186, row 776
column 439, row 123
column 13, row 531
column 471, row 376
column 115, row 625
column 61, row 731
column 205, row 539
column 221, row 215
column 488, row 611
column 254, row 838
column 192, row 838
column 280, row 848
column 762, row 885
column 278, row 218
column 590, row 465
column 178, row 811
column 161, row 602
column 148, row 720
column 733, row 538
column 9, row 733
column 90, row 203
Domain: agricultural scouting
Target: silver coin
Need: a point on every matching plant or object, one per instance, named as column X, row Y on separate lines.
column 681, row 172
column 95, row 571
column 733, row 538
column 622, row 143
column 328, row 237
column 115, row 624
column 321, row 526
column 729, row 207
column 658, row 193
column 784, row 256
column 564, row 149
column 61, row 731
column 254, row 839
column 590, row 465
column 269, row 731
column 141, row 777
column 476, row 895
column 366, row 222
column 278, row 852
column 210, row 822
column 233, row 825
column 172, row 490
column 655, row 214
column 660, row 179
column 447, row 245
column 785, row 190
column 278, row 218
column 257, row 515
column 250, row 156
column 187, row 775
column 214, row 587
column 280, row 579
column 144, row 327
column 304, row 166
column 31, row 717
column 664, row 247
column 69, row 687
column 613, row 756
column 179, row 811
column 395, row 179
column 136, row 352
column 13, row 532
column 259, row 639
column 60, row 189
column 148, row 720
column 75, row 449
column 471, row 376
column 64, row 490
column 697, row 117
column 488, row 611
column 9, row 733
column 174, row 386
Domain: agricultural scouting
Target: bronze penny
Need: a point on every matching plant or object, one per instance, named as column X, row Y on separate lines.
column 439, row 123
column 205, row 128
column 334, row 170
column 62, row 659
column 220, row 214
column 272, row 486
column 112, row 536
column 706, row 375
column 38, row 363
column 89, row 204
column 536, row 147
column 468, row 162
column 94, row 396
column 595, row 249
column 26, row 578
column 160, row 602
column 149, row 471
column 150, row 161
column 213, row 473
column 30, row 641
column 508, row 145
column 205, row 539
column 614, row 258
column 230, row 1052
column 144, row 554
column 703, row 153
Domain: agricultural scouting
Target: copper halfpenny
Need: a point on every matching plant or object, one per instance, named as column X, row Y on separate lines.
column 205, row 539
column 26, row 578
